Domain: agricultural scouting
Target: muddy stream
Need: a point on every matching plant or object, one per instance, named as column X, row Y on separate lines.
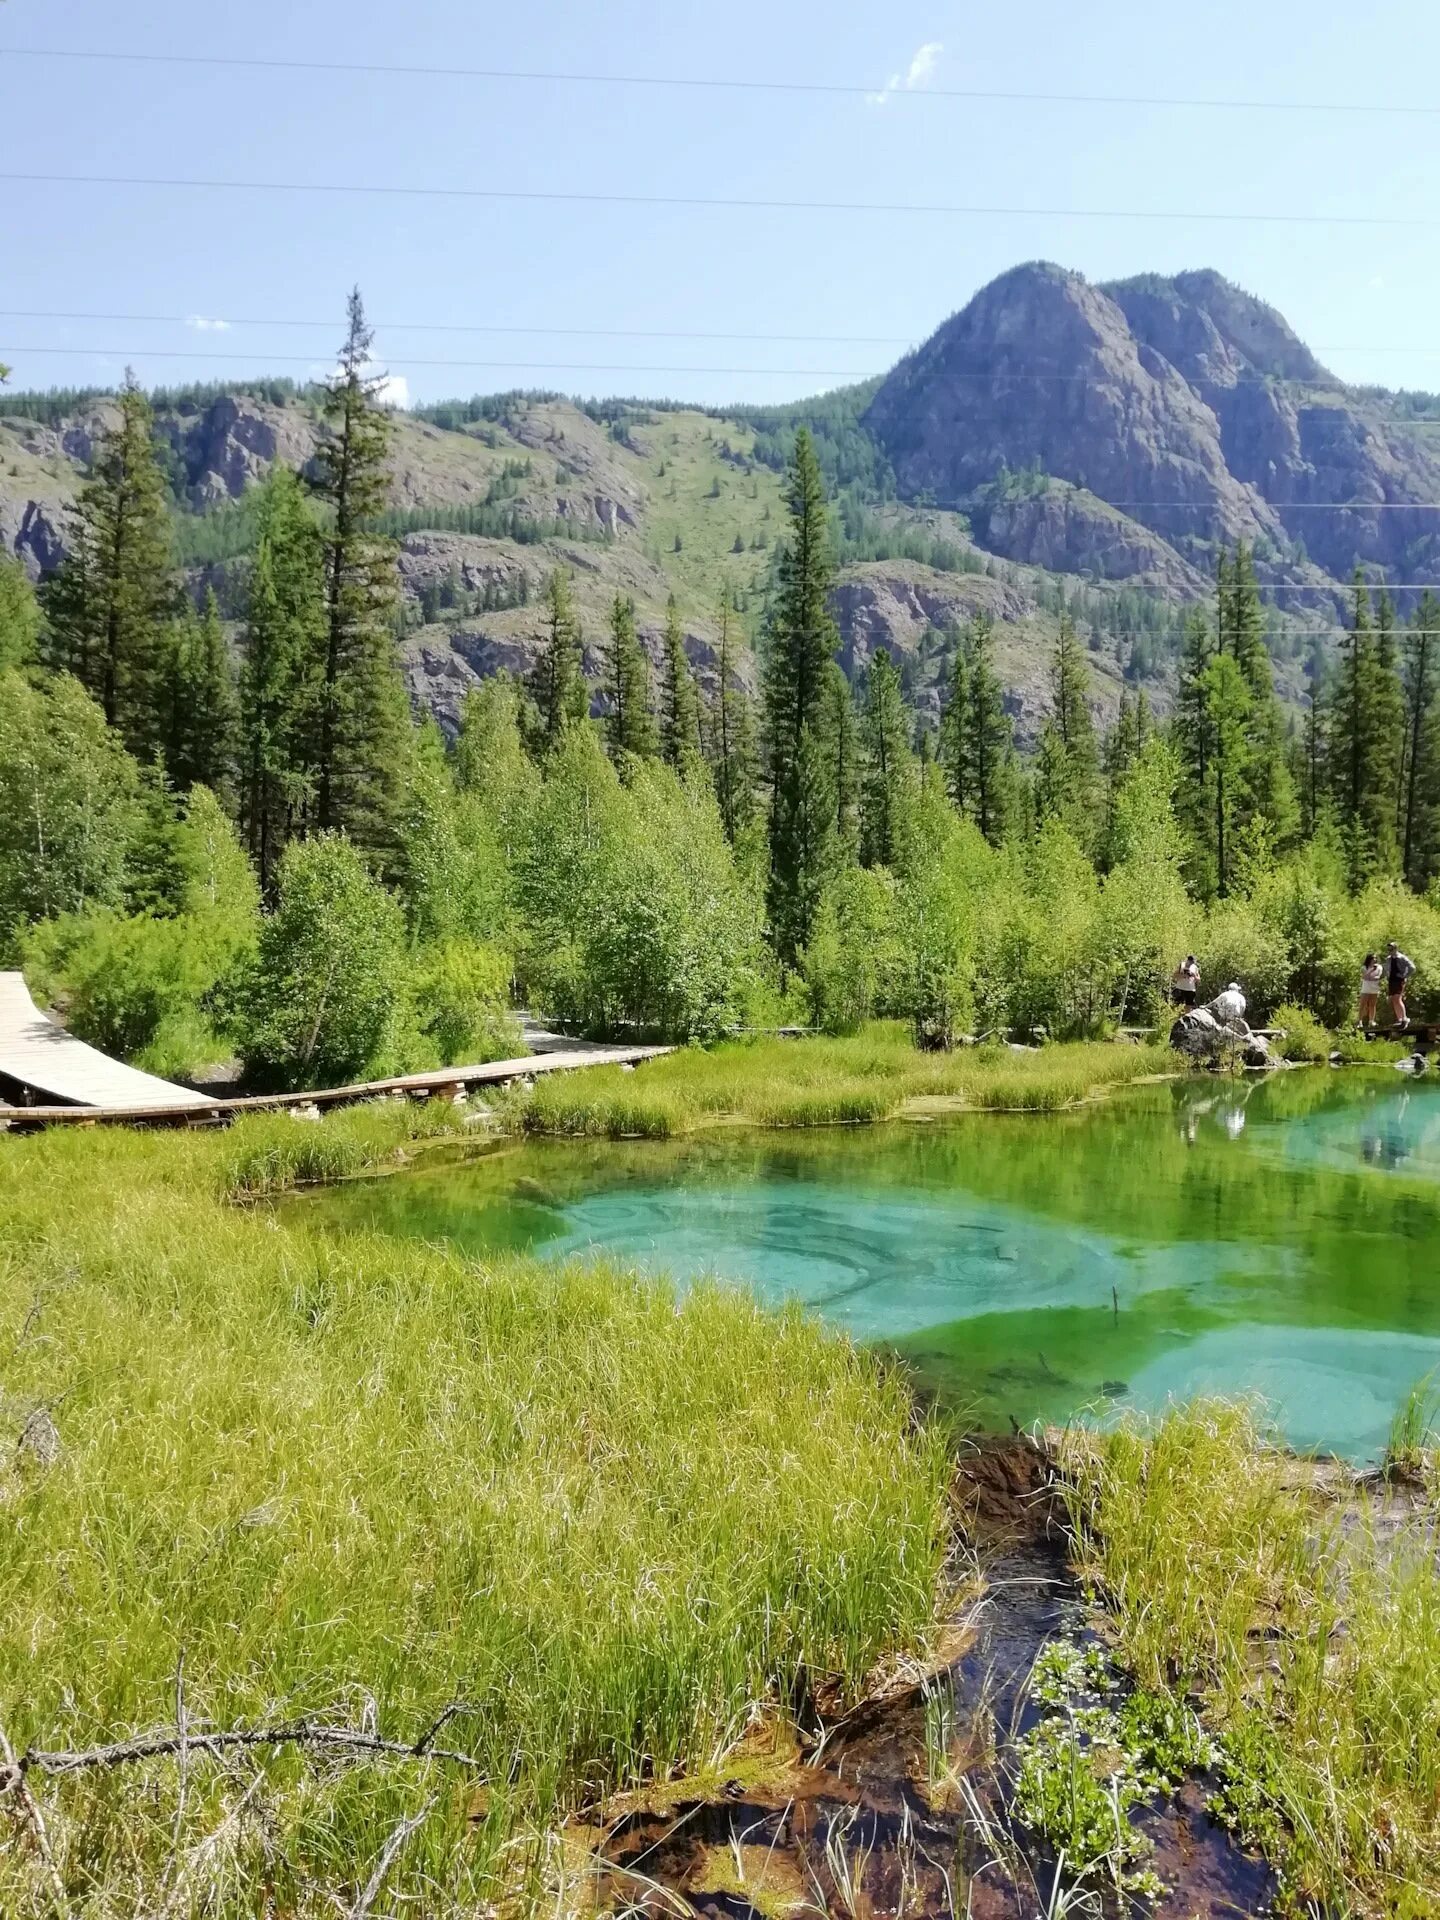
column 903, row 1805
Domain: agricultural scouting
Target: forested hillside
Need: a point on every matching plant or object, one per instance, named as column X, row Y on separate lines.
column 225, row 830
column 1055, row 447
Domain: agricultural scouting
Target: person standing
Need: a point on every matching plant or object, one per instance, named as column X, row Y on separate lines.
column 1185, row 982
column 1371, row 974
column 1398, row 969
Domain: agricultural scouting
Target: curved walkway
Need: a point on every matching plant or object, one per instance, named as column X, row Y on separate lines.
column 42, row 1064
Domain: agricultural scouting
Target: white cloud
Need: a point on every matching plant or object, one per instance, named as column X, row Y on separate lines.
column 202, row 324
column 916, row 76
column 393, row 390
column 926, row 59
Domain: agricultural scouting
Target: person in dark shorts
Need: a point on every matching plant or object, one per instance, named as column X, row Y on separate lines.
column 1398, row 969
column 1185, row 982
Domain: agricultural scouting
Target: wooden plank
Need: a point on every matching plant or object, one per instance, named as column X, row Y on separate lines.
column 441, row 1080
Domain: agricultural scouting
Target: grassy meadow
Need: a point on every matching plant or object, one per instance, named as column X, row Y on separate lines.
column 874, row 1075
column 253, row 1478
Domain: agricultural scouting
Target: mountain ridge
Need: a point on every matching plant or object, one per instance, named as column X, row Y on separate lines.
column 1054, row 441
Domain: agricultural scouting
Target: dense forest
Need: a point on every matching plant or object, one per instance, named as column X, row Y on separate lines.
column 231, row 836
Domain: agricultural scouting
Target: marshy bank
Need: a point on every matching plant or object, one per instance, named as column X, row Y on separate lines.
column 464, row 1545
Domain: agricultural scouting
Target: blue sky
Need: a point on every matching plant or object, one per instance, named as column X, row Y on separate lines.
column 1365, row 297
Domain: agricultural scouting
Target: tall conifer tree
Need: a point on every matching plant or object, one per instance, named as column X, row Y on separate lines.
column 199, row 748
column 1420, row 823
column 888, row 764
column 361, row 722
column 680, row 703
column 989, row 744
column 110, row 605
column 734, row 761
column 802, row 639
column 632, row 725
column 557, row 680
column 955, row 728
column 841, row 735
column 1364, row 748
column 281, row 674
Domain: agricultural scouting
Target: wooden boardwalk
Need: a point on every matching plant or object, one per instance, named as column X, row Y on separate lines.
column 39, row 1059
column 85, row 1087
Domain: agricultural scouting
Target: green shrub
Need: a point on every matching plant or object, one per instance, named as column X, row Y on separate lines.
column 319, row 1005
column 1304, row 1037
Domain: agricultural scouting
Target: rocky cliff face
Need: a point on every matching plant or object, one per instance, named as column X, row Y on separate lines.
column 1189, row 407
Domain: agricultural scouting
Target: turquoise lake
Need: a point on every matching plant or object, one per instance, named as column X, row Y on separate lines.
column 1279, row 1238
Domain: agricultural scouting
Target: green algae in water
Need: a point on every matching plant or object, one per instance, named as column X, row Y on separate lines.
column 1277, row 1238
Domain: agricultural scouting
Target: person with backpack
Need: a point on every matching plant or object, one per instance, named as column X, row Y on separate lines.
column 1185, row 982
column 1399, row 967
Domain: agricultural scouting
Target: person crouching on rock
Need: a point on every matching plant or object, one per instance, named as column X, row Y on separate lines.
column 1185, row 982
column 1371, row 974
column 1229, row 1007
column 1398, row 968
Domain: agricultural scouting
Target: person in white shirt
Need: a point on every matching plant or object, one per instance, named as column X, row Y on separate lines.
column 1229, row 1006
column 1185, row 982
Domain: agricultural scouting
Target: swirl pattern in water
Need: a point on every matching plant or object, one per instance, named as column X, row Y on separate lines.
column 1279, row 1238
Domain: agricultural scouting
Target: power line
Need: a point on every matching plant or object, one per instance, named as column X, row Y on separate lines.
column 724, row 202
column 433, row 326
column 708, row 83
column 565, row 333
column 411, row 360
column 576, row 366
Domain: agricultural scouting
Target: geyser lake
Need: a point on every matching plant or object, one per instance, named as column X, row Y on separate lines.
column 1278, row 1238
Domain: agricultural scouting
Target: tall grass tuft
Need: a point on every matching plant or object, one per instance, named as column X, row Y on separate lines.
column 269, row 1153
column 1315, row 1652
column 872, row 1075
column 360, row 1480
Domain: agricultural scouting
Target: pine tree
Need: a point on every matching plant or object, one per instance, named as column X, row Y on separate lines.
column 680, row 703
column 1267, row 811
column 557, row 680
column 1363, row 749
column 841, row 734
column 734, row 762
column 955, row 728
column 1312, row 763
column 281, row 673
column 1067, row 775
column 801, row 641
column 199, row 747
column 632, row 725
column 988, row 738
column 110, row 604
column 1191, row 733
column 1390, row 707
column 1420, row 841
column 1228, row 707
column 362, row 720
column 888, row 764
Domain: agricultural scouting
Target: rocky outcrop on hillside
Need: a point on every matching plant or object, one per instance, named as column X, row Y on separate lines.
column 1186, row 404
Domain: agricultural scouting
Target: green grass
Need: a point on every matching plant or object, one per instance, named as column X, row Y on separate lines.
column 267, row 1153
column 875, row 1075
column 1316, row 1657
column 358, row 1480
